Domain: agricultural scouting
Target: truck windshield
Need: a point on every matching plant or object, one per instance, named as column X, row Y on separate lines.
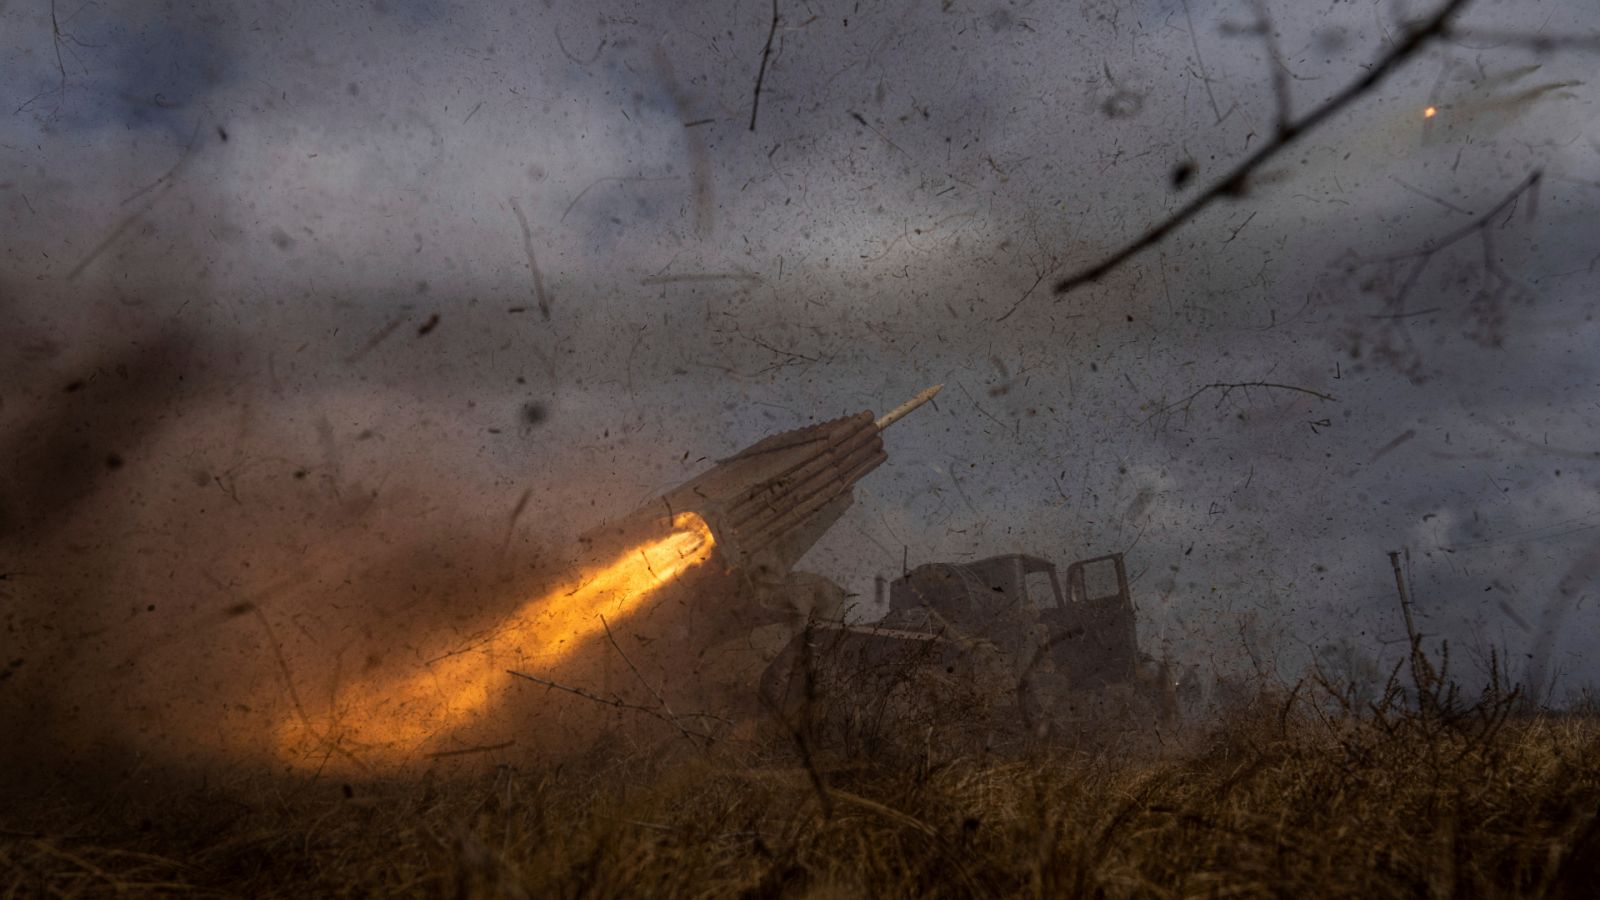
column 1042, row 590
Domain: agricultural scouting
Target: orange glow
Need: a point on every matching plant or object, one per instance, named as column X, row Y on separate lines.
column 1429, row 113
column 387, row 722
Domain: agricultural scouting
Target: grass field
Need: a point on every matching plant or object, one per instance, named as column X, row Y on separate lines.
column 1292, row 795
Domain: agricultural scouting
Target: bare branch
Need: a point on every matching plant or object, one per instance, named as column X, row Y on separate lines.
column 1228, row 387
column 533, row 263
column 761, row 74
column 1398, row 274
column 618, row 703
column 1564, row 452
column 1199, row 61
column 1234, row 183
column 1427, row 196
column 1493, row 39
column 1279, row 66
column 599, row 181
column 1476, row 225
column 568, row 53
column 1025, row 295
column 164, row 183
column 661, row 702
column 467, row 751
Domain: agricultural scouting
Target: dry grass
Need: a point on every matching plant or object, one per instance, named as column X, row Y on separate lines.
column 1284, row 798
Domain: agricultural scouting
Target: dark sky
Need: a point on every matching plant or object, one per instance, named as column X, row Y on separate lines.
column 301, row 298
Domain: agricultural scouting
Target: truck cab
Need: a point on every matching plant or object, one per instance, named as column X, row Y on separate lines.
column 1084, row 623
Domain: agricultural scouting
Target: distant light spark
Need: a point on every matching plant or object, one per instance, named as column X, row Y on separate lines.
column 1430, row 112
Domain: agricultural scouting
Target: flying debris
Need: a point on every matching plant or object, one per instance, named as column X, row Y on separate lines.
column 739, row 528
column 388, row 722
column 691, row 609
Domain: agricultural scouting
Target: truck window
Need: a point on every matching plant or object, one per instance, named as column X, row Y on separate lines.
column 1100, row 580
column 1041, row 591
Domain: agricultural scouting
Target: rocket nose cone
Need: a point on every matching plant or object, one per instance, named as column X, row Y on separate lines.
column 901, row 411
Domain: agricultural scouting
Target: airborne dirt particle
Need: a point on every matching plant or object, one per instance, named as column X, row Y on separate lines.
column 1124, row 104
column 1182, row 174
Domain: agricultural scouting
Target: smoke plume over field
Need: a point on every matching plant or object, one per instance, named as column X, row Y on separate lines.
column 328, row 328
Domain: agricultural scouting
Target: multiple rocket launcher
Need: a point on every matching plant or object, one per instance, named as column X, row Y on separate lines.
column 765, row 507
column 771, row 502
column 663, row 603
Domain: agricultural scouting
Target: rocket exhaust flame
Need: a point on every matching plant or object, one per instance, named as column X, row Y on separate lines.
column 389, row 722
column 769, row 504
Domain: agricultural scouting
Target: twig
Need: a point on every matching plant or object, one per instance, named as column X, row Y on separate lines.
column 886, row 811
column 699, row 155
column 1280, row 68
column 1478, row 224
column 1025, row 295
column 511, row 522
column 377, row 338
column 485, row 748
column 797, row 730
column 862, row 120
column 56, row 35
column 1427, row 196
column 1205, row 79
column 1538, row 43
column 1567, row 452
column 165, row 183
column 614, row 702
column 568, row 54
column 599, row 181
column 167, row 176
column 294, row 694
column 1421, row 672
column 1234, row 183
column 1404, row 436
column 750, row 277
column 1410, row 315
column 761, row 74
column 1415, row 264
column 1241, row 227
column 1229, row 387
column 1405, row 599
column 55, row 40
column 660, row 700
column 780, row 351
column 533, row 264
column 283, row 669
column 979, row 407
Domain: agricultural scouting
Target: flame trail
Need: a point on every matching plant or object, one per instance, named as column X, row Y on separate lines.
column 387, row 722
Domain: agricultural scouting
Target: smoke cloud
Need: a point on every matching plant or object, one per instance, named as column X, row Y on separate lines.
column 329, row 327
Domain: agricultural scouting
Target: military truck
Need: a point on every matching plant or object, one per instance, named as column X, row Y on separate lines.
column 999, row 649
column 747, row 634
